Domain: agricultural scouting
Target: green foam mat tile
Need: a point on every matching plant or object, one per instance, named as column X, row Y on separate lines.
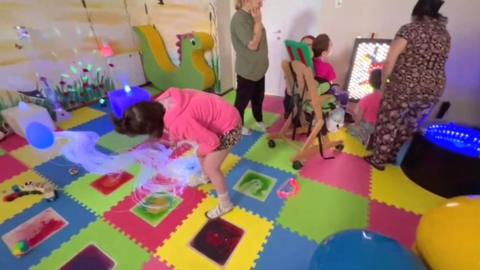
column 120, row 143
column 278, row 157
column 250, row 122
column 82, row 191
column 319, row 211
column 268, row 117
column 230, row 96
column 123, row 253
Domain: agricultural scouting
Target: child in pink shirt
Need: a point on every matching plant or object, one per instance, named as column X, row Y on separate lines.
column 322, row 47
column 195, row 116
column 324, row 72
column 367, row 110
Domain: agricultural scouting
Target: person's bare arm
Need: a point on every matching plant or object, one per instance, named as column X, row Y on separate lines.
column 257, row 30
column 396, row 48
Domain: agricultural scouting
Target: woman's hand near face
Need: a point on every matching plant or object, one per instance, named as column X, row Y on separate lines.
column 257, row 29
column 257, row 15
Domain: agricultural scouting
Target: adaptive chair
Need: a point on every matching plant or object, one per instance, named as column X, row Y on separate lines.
column 310, row 107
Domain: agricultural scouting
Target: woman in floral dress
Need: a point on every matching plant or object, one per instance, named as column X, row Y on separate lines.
column 414, row 80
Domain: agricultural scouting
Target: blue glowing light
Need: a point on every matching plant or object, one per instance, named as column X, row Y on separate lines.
column 459, row 139
column 121, row 99
column 39, row 136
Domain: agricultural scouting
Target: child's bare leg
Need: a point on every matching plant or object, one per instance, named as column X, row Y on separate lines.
column 212, row 167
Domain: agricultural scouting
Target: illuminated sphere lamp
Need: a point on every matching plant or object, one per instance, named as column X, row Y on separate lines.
column 39, row 136
column 363, row 250
column 122, row 99
column 445, row 159
column 448, row 236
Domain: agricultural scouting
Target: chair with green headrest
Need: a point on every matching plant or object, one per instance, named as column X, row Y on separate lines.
column 299, row 51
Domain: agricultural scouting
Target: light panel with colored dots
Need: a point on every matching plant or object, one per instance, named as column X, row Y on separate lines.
column 369, row 54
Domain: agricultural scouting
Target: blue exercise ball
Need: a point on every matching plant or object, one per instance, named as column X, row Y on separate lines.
column 363, row 250
column 39, row 136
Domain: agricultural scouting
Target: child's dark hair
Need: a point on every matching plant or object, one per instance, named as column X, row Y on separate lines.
column 312, row 38
column 144, row 118
column 320, row 44
column 375, row 79
column 427, row 8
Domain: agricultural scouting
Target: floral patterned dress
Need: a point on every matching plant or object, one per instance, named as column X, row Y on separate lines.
column 416, row 85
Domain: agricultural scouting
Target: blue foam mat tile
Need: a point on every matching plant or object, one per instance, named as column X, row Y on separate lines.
column 246, row 143
column 76, row 216
column 269, row 209
column 101, row 126
column 286, row 250
column 98, row 107
column 57, row 171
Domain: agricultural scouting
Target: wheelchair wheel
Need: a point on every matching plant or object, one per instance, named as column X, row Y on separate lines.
column 271, row 143
column 339, row 147
column 297, row 165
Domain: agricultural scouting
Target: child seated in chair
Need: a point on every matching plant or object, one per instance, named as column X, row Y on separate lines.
column 287, row 101
column 322, row 47
column 324, row 72
column 367, row 109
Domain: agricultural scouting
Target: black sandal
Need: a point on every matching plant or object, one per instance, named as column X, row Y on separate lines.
column 368, row 159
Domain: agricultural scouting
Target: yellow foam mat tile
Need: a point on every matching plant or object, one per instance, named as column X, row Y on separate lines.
column 80, row 117
column 178, row 253
column 394, row 188
column 229, row 163
column 10, row 209
column 32, row 158
column 352, row 146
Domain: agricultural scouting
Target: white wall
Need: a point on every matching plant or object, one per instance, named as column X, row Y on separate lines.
column 463, row 69
column 227, row 73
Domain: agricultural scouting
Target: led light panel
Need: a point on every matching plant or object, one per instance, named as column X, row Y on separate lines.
column 368, row 54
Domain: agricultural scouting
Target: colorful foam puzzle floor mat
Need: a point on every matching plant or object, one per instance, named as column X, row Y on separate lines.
column 96, row 223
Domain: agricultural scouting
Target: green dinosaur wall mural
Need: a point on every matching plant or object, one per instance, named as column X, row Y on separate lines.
column 193, row 71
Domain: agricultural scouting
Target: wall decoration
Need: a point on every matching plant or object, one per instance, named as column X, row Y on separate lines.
column 193, row 71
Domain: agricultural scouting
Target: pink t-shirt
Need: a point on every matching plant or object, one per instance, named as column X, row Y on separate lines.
column 324, row 70
column 370, row 105
column 198, row 116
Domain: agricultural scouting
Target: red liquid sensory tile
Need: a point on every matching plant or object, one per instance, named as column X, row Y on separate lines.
column 109, row 183
column 217, row 240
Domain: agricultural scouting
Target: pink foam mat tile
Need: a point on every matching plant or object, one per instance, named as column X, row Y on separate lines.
column 345, row 172
column 394, row 223
column 149, row 236
column 155, row 264
column 10, row 167
column 12, row 142
column 277, row 126
column 273, row 104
